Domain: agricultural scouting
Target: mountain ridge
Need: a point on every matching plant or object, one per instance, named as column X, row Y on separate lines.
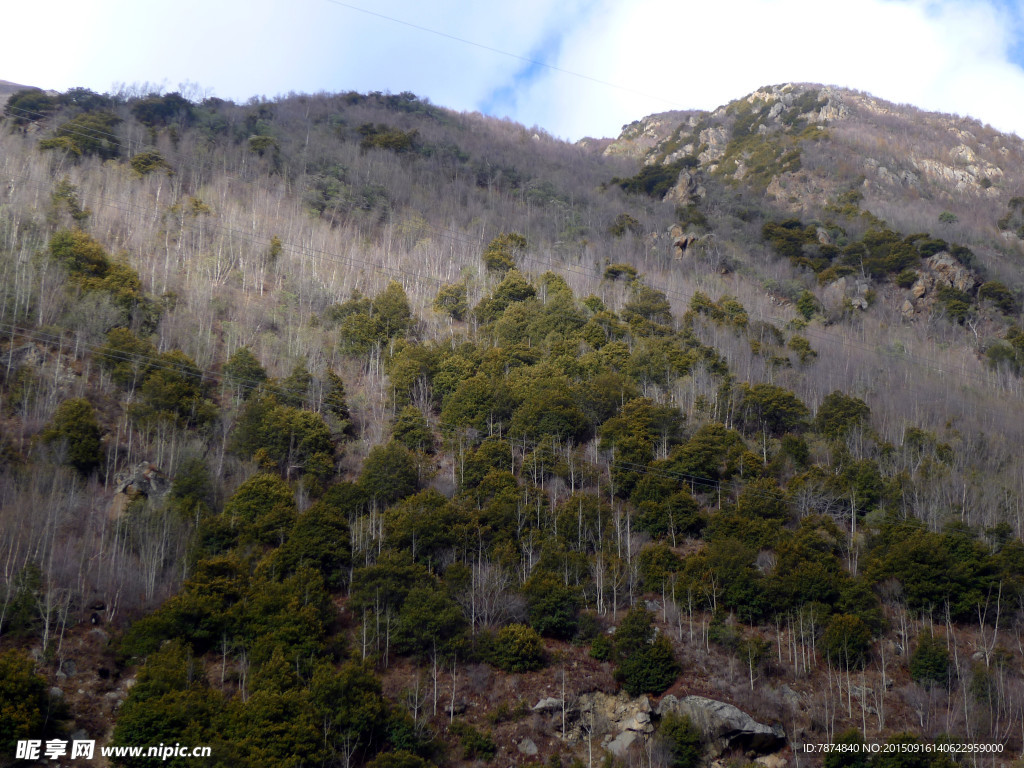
column 372, row 396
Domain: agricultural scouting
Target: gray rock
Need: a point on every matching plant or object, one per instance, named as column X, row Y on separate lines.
column 69, row 668
column 527, row 747
column 621, row 743
column 547, row 705
column 640, row 722
column 99, row 636
column 145, row 479
column 56, row 693
column 725, row 726
column 791, row 697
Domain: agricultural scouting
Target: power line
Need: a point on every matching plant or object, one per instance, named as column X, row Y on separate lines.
column 500, row 52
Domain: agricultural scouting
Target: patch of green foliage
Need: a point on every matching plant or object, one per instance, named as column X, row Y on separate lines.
column 90, row 133
column 382, row 136
column 74, row 434
column 655, row 180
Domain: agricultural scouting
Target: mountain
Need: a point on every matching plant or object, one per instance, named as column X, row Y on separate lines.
column 7, row 88
column 348, row 429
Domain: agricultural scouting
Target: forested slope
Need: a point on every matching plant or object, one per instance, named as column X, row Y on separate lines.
column 349, row 417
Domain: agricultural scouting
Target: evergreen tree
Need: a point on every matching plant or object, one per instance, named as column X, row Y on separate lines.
column 75, row 434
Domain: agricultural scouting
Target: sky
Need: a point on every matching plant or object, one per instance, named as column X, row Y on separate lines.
column 572, row 67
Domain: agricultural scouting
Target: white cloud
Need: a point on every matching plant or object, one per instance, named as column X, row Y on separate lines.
column 948, row 55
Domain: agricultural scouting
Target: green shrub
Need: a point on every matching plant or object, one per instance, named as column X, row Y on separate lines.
column 654, row 180
column 906, row 278
column 807, row 305
column 156, row 110
column 647, row 662
column 517, row 648
column 551, row 604
column 452, row 300
column 1000, row 295
column 475, row 744
column 929, row 663
column 29, row 105
column 624, row 223
column 500, row 255
column 382, row 136
column 26, row 710
column 389, row 473
column 682, row 737
column 650, row 670
column 145, row 163
column 615, row 271
column 602, row 648
column 839, row 413
column 412, row 431
column 264, row 505
column 90, row 133
column 852, row 756
column 244, row 372
column 846, row 641
column 75, row 433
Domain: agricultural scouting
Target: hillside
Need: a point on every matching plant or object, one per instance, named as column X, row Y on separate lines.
column 350, row 430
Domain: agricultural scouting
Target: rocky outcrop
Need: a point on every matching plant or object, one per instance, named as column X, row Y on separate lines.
column 617, row 722
column 641, row 136
column 688, row 189
column 527, row 747
column 949, row 272
column 940, row 271
column 725, row 727
column 845, row 289
column 144, row 480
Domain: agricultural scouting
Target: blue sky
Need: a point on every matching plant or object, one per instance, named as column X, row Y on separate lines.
column 959, row 56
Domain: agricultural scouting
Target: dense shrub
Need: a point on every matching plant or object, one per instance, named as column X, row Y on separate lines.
column 929, row 663
column 646, row 660
column 517, row 648
column 846, row 641
column 26, row 710
column 75, row 435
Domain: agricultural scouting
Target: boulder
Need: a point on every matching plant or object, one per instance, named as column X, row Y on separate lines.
column 949, row 271
column 548, row 705
column 835, row 292
column 724, row 726
column 772, row 761
column 640, row 722
column 620, row 745
column 144, row 480
column 527, row 747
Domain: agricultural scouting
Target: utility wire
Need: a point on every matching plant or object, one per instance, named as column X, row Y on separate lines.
column 517, row 57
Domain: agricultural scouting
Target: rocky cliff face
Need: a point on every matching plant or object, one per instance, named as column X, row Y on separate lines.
column 620, row 724
column 802, row 144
